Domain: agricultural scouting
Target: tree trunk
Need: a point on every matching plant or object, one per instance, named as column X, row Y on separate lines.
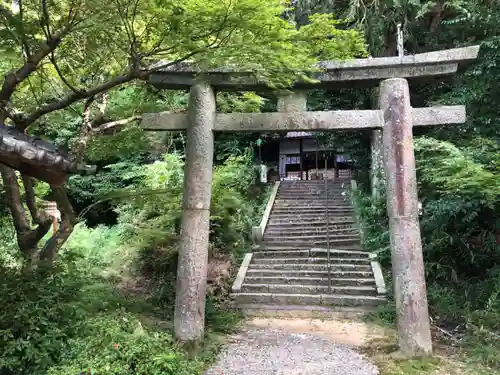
column 28, row 237
column 51, row 248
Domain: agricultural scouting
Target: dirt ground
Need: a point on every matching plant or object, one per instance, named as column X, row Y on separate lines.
column 355, row 333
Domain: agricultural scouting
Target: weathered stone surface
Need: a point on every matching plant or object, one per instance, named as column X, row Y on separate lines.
column 309, row 121
column 290, row 121
column 258, row 232
column 442, row 115
column 377, row 155
column 402, row 207
column 359, row 72
column 292, row 101
column 165, row 121
column 193, row 252
column 377, row 162
column 240, row 277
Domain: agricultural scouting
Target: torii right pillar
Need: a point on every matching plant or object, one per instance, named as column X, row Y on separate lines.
column 410, row 290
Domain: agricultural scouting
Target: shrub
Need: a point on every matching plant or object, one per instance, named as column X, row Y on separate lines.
column 460, row 192
column 40, row 314
column 9, row 251
column 118, row 344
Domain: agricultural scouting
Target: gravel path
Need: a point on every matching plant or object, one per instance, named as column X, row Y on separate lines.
column 269, row 351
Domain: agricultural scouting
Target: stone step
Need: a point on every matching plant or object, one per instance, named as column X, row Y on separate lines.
column 315, row 202
column 318, row 226
column 304, row 311
column 264, row 246
column 314, row 188
column 313, row 213
column 309, row 208
column 298, row 216
column 301, row 196
column 317, row 185
column 313, row 193
column 303, row 280
column 317, row 238
column 334, row 253
column 286, row 232
column 343, row 222
column 309, row 260
column 317, row 221
column 340, row 245
column 307, row 273
column 306, row 299
column 318, row 206
column 312, row 267
column 309, row 289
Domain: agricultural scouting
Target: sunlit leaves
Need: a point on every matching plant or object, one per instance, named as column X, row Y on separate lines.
column 450, row 171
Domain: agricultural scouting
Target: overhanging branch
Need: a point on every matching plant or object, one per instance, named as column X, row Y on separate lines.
column 73, row 97
column 13, row 79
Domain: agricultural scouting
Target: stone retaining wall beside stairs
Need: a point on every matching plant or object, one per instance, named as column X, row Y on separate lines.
column 287, row 274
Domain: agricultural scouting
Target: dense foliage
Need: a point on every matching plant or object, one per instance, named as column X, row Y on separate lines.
column 103, row 308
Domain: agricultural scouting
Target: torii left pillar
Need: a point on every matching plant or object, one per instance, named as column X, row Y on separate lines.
column 189, row 318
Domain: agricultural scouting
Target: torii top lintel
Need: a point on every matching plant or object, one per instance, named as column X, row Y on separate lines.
column 333, row 74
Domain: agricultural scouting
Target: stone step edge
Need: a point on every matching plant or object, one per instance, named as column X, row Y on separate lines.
column 320, row 223
column 334, row 267
column 283, row 273
column 322, row 298
column 341, row 289
column 307, row 208
column 303, row 312
column 313, row 260
column 310, row 278
column 302, row 246
column 316, row 251
column 334, row 233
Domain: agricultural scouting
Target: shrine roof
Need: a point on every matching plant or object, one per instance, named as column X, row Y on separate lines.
column 36, row 157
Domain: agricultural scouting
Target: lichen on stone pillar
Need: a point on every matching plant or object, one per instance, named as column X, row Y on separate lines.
column 292, row 101
column 410, row 290
column 189, row 319
column 377, row 155
column 377, row 163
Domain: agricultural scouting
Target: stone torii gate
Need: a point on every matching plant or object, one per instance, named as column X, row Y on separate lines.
column 391, row 123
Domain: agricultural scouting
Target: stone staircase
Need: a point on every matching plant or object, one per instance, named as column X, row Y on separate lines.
column 288, row 271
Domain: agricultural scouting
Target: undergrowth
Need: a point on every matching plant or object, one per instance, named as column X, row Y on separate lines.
column 459, row 228
column 106, row 306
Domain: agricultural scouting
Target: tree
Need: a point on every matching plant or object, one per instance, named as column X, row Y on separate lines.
column 65, row 61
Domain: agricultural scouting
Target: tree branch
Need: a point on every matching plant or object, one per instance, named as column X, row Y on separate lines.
column 11, row 19
column 115, row 124
column 12, row 189
column 30, row 198
column 76, row 96
column 13, row 79
column 86, row 131
column 60, row 74
column 104, row 87
column 27, row 238
column 68, row 219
